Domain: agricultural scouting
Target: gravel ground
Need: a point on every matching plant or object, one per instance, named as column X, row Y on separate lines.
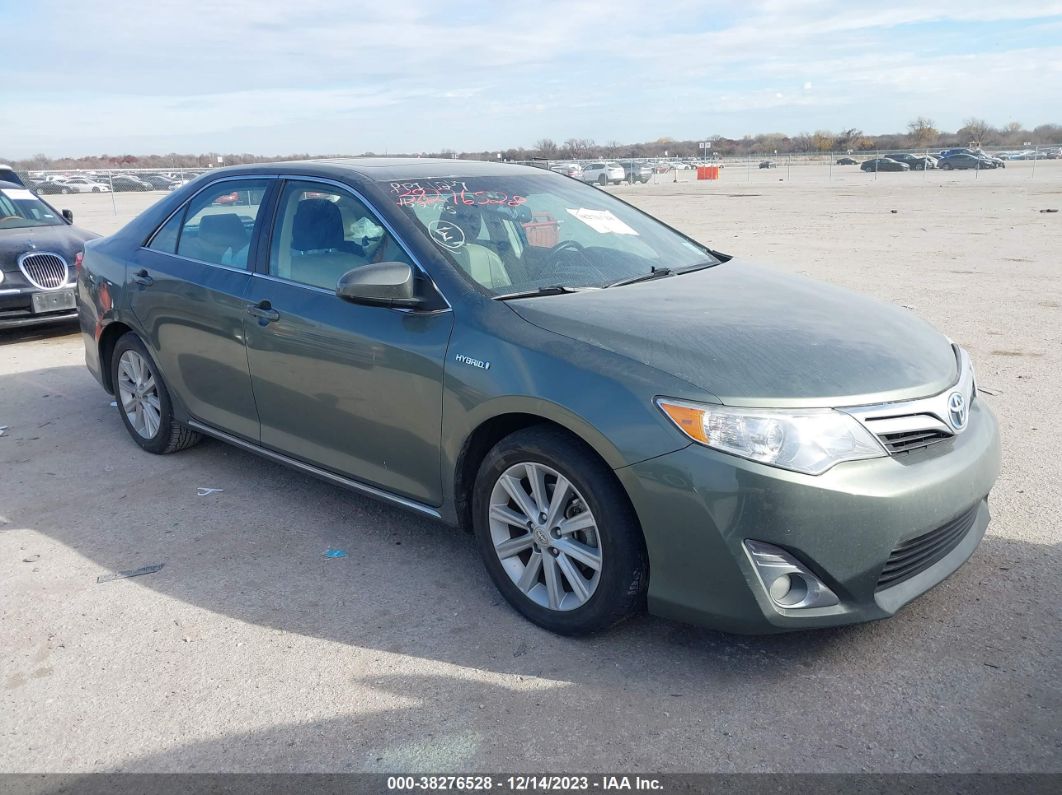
column 250, row 650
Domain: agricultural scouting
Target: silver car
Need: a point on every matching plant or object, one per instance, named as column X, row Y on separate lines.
column 82, row 185
column 604, row 172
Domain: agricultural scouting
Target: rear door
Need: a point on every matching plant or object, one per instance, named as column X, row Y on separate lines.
column 353, row 389
column 187, row 288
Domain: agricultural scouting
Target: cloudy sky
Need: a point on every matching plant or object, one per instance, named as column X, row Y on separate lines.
column 343, row 76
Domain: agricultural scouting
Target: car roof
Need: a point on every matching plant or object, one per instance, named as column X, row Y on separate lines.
column 385, row 168
column 15, row 185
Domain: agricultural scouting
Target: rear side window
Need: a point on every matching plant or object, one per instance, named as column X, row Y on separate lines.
column 165, row 239
column 219, row 222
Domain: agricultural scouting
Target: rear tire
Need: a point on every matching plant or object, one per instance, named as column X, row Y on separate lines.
column 604, row 578
column 144, row 401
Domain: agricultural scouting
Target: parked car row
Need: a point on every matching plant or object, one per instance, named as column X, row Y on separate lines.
column 103, row 182
column 1032, row 154
column 963, row 157
column 949, row 159
column 607, row 172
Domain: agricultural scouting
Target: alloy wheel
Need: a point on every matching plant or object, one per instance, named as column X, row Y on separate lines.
column 545, row 536
column 139, row 394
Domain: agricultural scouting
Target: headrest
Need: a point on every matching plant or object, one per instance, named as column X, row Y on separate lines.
column 223, row 229
column 317, row 225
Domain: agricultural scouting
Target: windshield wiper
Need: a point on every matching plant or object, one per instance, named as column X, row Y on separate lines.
column 552, row 289
column 659, row 273
column 655, row 273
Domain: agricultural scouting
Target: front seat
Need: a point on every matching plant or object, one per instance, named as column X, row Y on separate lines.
column 478, row 261
column 317, row 226
column 222, row 239
column 319, row 252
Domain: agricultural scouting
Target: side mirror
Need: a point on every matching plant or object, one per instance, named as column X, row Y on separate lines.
column 68, row 215
column 379, row 284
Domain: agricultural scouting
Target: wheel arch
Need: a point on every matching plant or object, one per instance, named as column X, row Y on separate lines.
column 109, row 337
column 491, row 430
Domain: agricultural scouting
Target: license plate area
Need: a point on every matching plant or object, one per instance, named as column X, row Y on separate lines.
column 55, row 301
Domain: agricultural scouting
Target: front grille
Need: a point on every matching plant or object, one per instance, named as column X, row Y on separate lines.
column 918, row 554
column 44, row 270
column 901, row 433
column 912, row 440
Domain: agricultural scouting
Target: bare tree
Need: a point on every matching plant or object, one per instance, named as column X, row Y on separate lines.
column 802, row 142
column 571, row 147
column 612, row 147
column 846, row 139
column 922, row 131
column 1014, row 133
column 1048, row 134
column 823, row 140
column 977, row 130
column 546, row 147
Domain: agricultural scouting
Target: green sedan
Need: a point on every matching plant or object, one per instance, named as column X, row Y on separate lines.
column 625, row 418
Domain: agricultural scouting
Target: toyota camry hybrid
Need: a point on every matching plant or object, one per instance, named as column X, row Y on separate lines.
column 624, row 417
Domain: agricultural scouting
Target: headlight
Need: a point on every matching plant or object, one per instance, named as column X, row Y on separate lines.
column 803, row 440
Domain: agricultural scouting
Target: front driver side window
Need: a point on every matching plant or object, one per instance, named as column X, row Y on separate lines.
column 220, row 221
column 322, row 232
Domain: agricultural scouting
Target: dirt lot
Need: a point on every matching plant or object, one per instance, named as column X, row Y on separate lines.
column 251, row 650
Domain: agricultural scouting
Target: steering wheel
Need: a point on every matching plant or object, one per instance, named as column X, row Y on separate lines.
column 559, row 261
column 564, row 245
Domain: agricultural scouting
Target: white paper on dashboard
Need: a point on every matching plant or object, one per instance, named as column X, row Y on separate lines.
column 602, row 221
column 18, row 194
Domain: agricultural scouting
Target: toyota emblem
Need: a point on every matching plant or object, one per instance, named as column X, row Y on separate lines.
column 957, row 412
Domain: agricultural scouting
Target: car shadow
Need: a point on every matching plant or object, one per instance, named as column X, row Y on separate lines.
column 46, row 331
column 254, row 551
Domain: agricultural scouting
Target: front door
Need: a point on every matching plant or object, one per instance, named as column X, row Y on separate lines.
column 188, row 288
column 353, row 389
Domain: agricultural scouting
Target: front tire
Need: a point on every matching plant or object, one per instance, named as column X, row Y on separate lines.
column 143, row 400
column 557, row 533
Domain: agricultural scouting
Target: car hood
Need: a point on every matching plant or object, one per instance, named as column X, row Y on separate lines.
column 64, row 239
column 755, row 336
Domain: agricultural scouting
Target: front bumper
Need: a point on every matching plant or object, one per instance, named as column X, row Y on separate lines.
column 698, row 506
column 17, row 309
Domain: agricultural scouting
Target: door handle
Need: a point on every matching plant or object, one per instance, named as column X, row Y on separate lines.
column 142, row 278
column 264, row 311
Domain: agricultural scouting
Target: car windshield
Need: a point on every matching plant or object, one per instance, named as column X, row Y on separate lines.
column 20, row 209
column 521, row 233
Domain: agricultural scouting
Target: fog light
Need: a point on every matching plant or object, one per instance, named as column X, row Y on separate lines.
column 780, row 587
column 786, row 580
